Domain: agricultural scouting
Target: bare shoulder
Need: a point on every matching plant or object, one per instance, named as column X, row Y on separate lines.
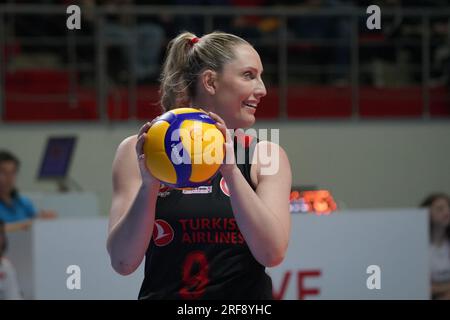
column 269, row 159
column 128, row 142
column 268, row 148
column 126, row 148
column 125, row 165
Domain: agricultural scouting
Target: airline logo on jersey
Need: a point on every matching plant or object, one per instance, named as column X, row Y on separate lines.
column 224, row 187
column 164, row 191
column 211, row 231
column 198, row 190
column 162, row 233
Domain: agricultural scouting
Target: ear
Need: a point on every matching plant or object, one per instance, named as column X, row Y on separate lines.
column 209, row 81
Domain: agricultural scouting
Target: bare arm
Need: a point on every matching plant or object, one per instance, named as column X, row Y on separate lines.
column 263, row 216
column 132, row 211
column 47, row 214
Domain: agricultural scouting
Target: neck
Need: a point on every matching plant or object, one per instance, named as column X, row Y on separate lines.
column 204, row 104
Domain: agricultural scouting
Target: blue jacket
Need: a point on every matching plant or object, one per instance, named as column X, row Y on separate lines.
column 21, row 209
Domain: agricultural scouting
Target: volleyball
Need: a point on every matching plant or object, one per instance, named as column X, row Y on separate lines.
column 184, row 148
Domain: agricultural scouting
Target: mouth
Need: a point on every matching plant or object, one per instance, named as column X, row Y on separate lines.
column 250, row 104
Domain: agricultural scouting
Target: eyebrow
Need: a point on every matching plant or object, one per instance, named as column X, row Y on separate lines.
column 254, row 69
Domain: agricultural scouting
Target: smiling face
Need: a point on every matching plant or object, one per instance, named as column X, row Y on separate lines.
column 239, row 88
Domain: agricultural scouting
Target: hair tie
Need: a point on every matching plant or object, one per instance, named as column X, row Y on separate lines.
column 194, row 41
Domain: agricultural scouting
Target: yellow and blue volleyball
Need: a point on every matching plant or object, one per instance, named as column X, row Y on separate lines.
column 184, row 148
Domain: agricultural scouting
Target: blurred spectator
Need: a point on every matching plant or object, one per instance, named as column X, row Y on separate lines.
column 439, row 210
column 381, row 52
column 196, row 23
column 15, row 209
column 256, row 29
column 317, row 33
column 249, row 27
column 393, row 61
column 413, row 29
column 32, row 27
column 440, row 51
column 140, row 39
column 9, row 287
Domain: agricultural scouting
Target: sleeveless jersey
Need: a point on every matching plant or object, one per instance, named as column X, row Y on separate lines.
column 197, row 250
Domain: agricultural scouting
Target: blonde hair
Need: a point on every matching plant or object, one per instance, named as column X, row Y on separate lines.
column 187, row 58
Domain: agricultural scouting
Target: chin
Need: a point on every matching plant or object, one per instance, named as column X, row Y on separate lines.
column 246, row 120
column 245, row 123
column 250, row 121
column 241, row 121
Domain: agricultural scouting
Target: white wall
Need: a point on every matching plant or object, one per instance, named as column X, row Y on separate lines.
column 365, row 164
column 338, row 248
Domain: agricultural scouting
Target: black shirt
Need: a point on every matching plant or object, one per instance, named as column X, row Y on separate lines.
column 197, row 250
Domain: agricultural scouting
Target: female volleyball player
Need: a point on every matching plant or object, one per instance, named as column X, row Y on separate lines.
column 213, row 242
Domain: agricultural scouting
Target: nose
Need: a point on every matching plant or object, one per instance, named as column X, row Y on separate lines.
column 260, row 90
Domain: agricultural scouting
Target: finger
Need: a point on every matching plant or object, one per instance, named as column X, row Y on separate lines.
column 147, row 126
column 216, row 117
column 140, row 145
column 220, row 124
column 225, row 132
column 144, row 128
column 221, row 128
column 229, row 139
column 155, row 119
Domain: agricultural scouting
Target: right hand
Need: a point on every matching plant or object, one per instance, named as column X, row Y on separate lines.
column 147, row 177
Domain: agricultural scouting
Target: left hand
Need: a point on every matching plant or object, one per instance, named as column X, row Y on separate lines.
column 47, row 214
column 229, row 163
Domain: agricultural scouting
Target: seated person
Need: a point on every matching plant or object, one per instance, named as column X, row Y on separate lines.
column 16, row 210
column 439, row 211
column 9, row 287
